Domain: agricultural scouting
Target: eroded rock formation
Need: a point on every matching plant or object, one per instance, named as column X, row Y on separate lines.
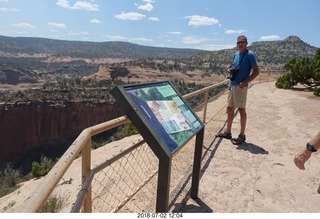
column 31, row 126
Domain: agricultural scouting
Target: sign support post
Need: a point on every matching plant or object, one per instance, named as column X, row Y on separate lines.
column 197, row 164
column 163, row 185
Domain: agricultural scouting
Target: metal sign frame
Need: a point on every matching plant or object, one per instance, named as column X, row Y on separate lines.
column 167, row 123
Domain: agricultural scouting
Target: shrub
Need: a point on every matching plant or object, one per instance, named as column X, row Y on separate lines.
column 9, row 179
column 284, row 82
column 127, row 129
column 42, row 168
column 47, row 163
column 305, row 71
column 53, row 205
column 37, row 170
column 11, row 204
column 316, row 91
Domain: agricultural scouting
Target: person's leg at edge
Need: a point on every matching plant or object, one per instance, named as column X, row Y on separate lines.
column 243, row 120
column 230, row 113
column 240, row 98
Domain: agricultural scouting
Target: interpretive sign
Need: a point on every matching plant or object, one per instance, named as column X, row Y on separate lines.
column 163, row 112
column 166, row 123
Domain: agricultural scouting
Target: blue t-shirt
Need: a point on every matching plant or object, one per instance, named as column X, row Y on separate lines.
column 249, row 61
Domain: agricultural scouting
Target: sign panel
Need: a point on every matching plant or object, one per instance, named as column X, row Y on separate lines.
column 165, row 111
column 166, row 123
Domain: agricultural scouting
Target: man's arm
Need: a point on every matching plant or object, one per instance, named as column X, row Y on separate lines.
column 304, row 154
column 254, row 74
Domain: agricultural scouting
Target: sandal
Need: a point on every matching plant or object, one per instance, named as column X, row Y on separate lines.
column 239, row 140
column 224, row 135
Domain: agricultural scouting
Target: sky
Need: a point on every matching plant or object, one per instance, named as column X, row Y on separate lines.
column 197, row 24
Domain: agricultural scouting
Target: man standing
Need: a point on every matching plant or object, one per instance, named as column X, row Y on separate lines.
column 244, row 61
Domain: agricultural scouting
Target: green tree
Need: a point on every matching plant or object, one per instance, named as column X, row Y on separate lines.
column 305, row 71
column 316, row 65
column 37, row 169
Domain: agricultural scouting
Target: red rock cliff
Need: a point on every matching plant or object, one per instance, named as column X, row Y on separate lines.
column 26, row 127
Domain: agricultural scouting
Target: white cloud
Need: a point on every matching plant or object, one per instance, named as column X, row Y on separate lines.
column 73, row 34
column 235, row 31
column 174, row 33
column 193, row 40
column 79, row 33
column 153, row 19
column 24, row 33
column 141, row 39
column 146, row 7
column 53, row 31
column 59, row 25
column 197, row 21
column 116, row 38
column 130, row 16
column 121, row 38
column 9, row 9
column 63, row 3
column 214, row 47
column 86, row 6
column 84, row 32
column 270, row 38
column 25, row 26
column 95, row 21
column 148, row 1
column 80, row 5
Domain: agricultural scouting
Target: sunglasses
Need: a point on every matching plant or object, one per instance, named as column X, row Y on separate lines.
column 241, row 42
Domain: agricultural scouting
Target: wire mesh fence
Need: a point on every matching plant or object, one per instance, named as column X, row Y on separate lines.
column 115, row 188
column 130, row 183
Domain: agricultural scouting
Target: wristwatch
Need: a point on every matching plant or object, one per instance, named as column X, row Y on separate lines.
column 310, row 147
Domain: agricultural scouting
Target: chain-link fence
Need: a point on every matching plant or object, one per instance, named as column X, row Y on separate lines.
column 128, row 184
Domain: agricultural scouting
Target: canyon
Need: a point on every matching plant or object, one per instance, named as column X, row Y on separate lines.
column 33, row 127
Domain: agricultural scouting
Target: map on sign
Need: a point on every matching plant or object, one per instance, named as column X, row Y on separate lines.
column 168, row 115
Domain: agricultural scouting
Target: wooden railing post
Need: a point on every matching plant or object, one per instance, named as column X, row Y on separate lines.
column 86, row 167
column 206, row 97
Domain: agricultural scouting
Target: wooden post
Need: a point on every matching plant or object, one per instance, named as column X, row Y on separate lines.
column 86, row 166
column 206, row 97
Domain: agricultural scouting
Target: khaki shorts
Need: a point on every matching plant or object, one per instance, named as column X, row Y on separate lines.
column 237, row 97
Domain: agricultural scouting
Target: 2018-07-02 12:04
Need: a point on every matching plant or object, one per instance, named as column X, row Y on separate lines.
column 159, row 215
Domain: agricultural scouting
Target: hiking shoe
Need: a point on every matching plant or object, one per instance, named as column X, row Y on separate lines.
column 239, row 140
column 224, row 135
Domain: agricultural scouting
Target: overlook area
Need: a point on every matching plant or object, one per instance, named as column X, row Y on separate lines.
column 257, row 176
column 70, row 143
